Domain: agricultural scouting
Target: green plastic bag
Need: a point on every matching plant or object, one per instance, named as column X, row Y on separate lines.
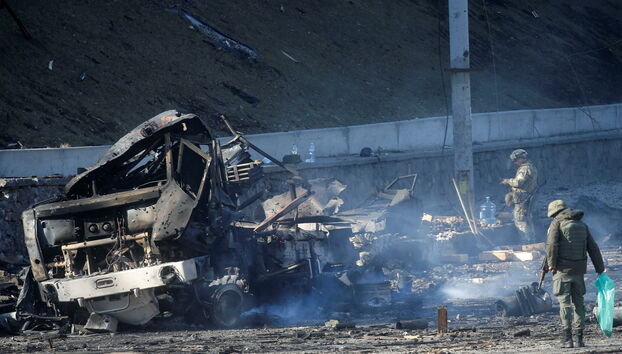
column 606, row 298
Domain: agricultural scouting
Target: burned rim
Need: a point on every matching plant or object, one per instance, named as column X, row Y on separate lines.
column 227, row 304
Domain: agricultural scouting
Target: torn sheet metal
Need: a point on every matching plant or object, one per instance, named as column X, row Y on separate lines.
column 218, row 38
column 390, row 210
column 529, row 300
column 324, row 201
column 162, row 214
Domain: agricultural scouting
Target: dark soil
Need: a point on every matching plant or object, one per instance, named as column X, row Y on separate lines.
column 321, row 63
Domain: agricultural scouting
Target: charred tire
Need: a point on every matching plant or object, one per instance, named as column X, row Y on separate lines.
column 227, row 305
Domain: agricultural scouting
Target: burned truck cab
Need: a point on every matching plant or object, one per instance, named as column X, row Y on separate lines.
column 143, row 219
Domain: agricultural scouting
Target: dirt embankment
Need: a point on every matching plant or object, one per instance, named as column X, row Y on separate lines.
column 321, row 63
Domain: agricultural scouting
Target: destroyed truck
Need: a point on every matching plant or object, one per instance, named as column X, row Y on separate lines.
column 158, row 222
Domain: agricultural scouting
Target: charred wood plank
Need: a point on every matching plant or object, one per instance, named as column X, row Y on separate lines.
column 286, row 209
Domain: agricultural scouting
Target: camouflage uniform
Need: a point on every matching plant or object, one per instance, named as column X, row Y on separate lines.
column 568, row 243
column 523, row 186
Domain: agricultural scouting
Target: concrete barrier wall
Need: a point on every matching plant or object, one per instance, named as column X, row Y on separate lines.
column 421, row 135
column 46, row 162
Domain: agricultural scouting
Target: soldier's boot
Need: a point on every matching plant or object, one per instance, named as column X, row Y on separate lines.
column 567, row 339
column 579, row 339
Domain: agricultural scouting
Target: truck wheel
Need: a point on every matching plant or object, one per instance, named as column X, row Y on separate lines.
column 227, row 304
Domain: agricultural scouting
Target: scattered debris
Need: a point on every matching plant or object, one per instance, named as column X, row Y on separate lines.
column 218, row 38
column 419, row 323
column 529, row 300
column 290, row 57
column 526, row 256
column 303, row 334
column 101, row 323
column 523, row 333
column 496, row 255
column 509, row 255
column 14, row 145
column 540, row 247
column 339, row 325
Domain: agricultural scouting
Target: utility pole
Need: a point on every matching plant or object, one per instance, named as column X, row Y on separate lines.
column 461, row 95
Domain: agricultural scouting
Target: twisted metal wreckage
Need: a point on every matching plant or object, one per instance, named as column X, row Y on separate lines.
column 160, row 224
column 170, row 220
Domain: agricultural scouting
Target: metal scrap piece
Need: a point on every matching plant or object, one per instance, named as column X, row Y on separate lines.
column 220, row 39
column 528, row 300
column 286, row 209
column 101, row 323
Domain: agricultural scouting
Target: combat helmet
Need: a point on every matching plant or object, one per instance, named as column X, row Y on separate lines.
column 518, row 153
column 555, row 207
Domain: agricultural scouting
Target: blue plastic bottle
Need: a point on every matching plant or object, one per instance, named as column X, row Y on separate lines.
column 487, row 212
column 311, row 153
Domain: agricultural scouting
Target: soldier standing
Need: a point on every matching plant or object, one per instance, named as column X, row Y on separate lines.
column 567, row 245
column 523, row 186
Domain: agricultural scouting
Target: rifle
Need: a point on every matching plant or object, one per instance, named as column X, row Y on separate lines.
column 543, row 272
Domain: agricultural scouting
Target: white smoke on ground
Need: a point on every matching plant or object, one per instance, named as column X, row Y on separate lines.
column 487, row 287
column 303, row 311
